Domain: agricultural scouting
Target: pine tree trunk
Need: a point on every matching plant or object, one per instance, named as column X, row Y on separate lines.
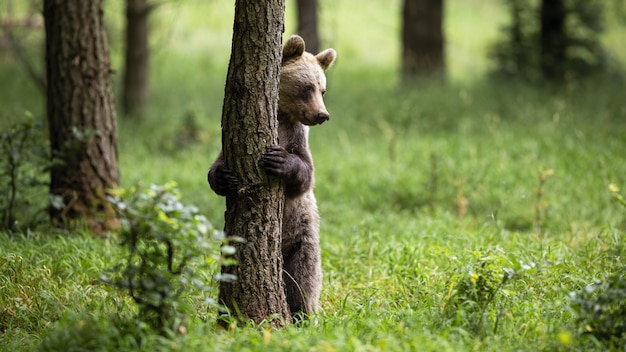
column 249, row 126
column 136, row 65
column 553, row 39
column 307, row 24
column 423, row 39
column 81, row 112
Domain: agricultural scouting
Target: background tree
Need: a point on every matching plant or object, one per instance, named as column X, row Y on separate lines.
column 137, row 57
column 307, row 24
column 80, row 112
column 249, row 127
column 423, row 41
column 552, row 40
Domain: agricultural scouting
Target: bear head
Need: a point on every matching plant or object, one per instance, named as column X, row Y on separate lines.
column 303, row 83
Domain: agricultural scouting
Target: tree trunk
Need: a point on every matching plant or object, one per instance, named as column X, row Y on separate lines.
column 423, row 39
column 307, row 24
column 136, row 65
column 553, row 39
column 81, row 112
column 249, row 126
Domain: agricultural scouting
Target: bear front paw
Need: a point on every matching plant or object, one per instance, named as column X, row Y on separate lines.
column 223, row 181
column 291, row 168
column 276, row 161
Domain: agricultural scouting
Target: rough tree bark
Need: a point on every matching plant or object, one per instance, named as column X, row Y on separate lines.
column 423, row 39
column 80, row 112
column 307, row 24
column 553, row 39
column 249, row 126
column 137, row 59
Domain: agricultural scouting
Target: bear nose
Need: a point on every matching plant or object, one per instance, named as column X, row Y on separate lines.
column 323, row 116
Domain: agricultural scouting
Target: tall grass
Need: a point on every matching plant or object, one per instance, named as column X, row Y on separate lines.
column 419, row 190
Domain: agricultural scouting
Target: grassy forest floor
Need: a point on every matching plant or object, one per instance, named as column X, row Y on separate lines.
column 455, row 217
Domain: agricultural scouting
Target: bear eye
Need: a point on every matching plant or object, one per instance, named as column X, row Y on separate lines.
column 307, row 92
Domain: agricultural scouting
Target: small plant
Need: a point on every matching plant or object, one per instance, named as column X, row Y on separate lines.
column 616, row 195
column 540, row 203
column 472, row 293
column 23, row 175
column 601, row 308
column 433, row 179
column 162, row 237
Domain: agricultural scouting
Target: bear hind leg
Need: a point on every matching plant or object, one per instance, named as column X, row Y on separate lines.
column 303, row 278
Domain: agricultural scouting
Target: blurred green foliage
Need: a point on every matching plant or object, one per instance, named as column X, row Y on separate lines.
column 517, row 54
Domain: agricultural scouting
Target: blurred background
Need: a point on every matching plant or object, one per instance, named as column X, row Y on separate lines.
column 461, row 40
column 417, row 85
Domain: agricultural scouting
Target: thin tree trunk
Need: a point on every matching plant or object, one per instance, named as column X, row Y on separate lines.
column 249, row 126
column 553, row 39
column 423, row 39
column 136, row 65
column 307, row 24
column 81, row 112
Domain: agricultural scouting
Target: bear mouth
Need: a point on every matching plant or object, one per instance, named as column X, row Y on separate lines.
column 316, row 120
column 313, row 123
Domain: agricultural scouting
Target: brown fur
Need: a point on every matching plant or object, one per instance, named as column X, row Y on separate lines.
column 300, row 105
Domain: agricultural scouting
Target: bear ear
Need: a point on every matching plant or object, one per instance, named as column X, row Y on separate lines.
column 326, row 58
column 293, row 48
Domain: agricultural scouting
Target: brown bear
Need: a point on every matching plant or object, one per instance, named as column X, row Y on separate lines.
column 300, row 105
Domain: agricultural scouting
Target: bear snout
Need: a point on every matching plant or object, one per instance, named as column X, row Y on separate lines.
column 323, row 117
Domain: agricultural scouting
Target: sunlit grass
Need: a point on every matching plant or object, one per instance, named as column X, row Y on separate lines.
column 45, row 276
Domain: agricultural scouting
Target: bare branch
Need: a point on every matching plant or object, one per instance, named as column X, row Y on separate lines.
column 20, row 52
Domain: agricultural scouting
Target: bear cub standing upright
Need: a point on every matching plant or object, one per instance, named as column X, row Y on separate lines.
column 300, row 105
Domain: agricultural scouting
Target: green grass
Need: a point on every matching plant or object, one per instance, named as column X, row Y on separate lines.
column 418, row 190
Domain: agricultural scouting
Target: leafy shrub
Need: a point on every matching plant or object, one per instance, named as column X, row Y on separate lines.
column 163, row 238
column 601, row 308
column 24, row 176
